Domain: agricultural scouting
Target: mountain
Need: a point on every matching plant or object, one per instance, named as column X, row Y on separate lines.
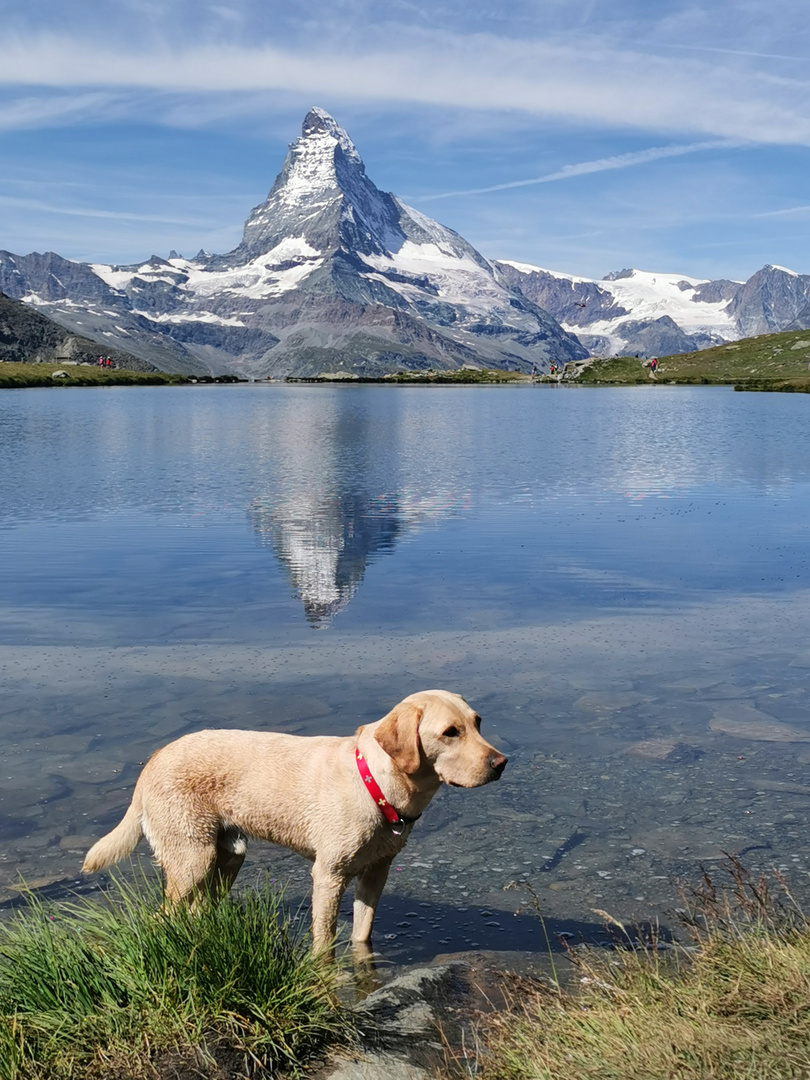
column 334, row 275
column 635, row 312
column 331, row 275
column 773, row 299
column 74, row 296
column 28, row 336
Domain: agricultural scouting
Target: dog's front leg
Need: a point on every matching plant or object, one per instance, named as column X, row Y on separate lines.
column 328, row 885
column 368, row 890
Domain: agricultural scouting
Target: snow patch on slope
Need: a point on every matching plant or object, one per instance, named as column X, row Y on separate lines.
column 648, row 296
column 189, row 317
column 275, row 272
column 651, row 296
column 529, row 268
column 455, row 280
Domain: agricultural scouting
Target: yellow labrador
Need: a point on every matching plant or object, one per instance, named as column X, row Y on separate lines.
column 347, row 804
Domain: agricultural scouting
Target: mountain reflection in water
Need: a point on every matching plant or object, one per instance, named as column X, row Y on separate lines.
column 325, row 542
column 331, row 510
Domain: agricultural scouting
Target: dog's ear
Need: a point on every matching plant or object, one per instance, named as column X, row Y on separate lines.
column 398, row 735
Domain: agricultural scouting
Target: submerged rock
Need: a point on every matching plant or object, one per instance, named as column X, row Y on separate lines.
column 746, row 722
column 599, row 701
column 669, row 750
column 406, row 1027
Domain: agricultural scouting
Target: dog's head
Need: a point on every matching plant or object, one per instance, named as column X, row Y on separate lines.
column 437, row 729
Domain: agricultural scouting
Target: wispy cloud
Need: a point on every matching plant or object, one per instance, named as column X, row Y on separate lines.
column 45, row 110
column 588, row 84
column 583, row 168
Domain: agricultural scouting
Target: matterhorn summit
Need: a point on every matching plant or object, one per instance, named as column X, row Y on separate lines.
column 322, row 195
column 332, row 276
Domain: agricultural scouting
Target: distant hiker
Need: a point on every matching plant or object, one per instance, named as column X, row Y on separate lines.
column 654, row 365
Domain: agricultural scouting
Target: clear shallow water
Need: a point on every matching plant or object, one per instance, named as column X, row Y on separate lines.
column 617, row 579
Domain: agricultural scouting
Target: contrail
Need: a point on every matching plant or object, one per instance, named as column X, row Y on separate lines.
column 88, row 212
column 618, row 161
column 734, row 52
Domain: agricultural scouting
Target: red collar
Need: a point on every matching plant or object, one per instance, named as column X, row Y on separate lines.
column 394, row 819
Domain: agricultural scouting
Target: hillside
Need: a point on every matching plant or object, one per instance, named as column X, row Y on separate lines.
column 771, row 360
column 27, row 336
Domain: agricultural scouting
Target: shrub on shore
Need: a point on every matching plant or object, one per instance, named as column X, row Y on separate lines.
column 122, row 988
column 733, row 1006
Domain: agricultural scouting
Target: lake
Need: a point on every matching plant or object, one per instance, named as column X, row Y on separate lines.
column 616, row 579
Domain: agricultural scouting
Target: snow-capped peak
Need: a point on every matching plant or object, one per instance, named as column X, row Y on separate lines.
column 312, row 162
column 310, row 169
column 781, row 269
column 531, row 268
column 319, row 123
column 322, row 183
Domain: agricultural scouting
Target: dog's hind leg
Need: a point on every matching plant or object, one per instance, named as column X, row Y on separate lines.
column 231, row 851
column 188, row 873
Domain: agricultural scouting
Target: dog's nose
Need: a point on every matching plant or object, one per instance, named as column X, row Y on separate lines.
column 498, row 763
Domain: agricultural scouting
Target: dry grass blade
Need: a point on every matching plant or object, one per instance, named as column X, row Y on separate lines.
column 734, row 1006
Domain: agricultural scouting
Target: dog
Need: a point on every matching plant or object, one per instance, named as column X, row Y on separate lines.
column 347, row 804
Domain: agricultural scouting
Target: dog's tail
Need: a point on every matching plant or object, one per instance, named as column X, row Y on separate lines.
column 121, row 841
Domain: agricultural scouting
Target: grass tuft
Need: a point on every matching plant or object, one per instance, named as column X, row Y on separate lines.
column 90, row 989
column 734, row 1005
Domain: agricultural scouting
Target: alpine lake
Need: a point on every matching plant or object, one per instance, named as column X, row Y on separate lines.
column 616, row 579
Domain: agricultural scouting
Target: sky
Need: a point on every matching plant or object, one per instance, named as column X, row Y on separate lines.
column 584, row 137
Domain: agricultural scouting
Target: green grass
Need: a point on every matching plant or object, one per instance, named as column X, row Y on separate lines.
column 618, row 370
column 754, row 363
column 734, row 1006
column 464, row 375
column 122, row 988
column 20, row 376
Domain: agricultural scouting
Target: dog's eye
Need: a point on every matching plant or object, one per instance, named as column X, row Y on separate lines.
column 450, row 733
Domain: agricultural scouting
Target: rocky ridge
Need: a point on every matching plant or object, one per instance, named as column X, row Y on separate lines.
column 636, row 312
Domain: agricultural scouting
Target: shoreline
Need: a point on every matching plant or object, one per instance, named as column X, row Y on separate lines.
column 21, row 376
column 618, row 372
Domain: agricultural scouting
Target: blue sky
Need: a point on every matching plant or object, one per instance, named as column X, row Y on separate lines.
column 584, row 137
